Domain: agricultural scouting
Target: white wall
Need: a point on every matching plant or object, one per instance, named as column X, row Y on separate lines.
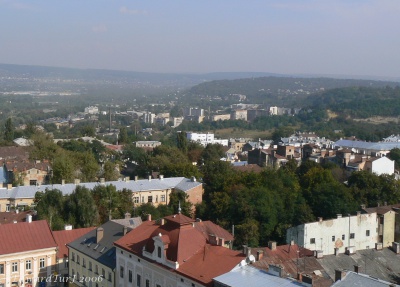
column 323, row 231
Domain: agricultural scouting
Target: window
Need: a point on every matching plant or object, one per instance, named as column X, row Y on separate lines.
column 103, row 273
column 136, row 199
column 147, row 283
column 66, row 262
column 142, row 199
column 333, row 238
column 367, row 233
column 28, row 265
column 121, row 271
column 14, row 267
column 138, row 280
column 41, row 263
column 1, row 268
column 343, row 237
column 352, row 235
column 162, row 198
column 312, row 241
column 156, row 198
column 159, row 252
column 149, row 198
column 109, row 276
column 130, row 276
column 78, row 259
column 73, row 256
column 7, row 207
column 73, row 272
column 90, row 265
column 83, row 262
column 97, row 269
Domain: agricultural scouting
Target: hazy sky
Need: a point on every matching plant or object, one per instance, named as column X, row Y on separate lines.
column 351, row 37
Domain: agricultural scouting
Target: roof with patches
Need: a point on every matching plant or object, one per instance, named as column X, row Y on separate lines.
column 63, row 237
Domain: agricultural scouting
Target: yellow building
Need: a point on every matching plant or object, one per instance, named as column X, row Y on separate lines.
column 27, row 253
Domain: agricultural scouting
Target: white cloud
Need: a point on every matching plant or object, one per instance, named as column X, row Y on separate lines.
column 99, row 28
column 125, row 10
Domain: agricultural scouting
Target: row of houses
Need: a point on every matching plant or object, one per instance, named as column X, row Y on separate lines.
column 168, row 252
column 154, row 191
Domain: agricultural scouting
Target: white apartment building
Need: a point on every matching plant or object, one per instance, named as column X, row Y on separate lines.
column 91, row 110
column 334, row 236
column 205, row 139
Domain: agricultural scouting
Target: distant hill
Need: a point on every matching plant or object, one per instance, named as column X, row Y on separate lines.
column 280, row 91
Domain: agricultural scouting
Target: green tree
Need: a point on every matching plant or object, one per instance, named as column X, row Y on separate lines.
column 182, row 142
column 123, row 136
column 110, row 172
column 9, row 130
column 63, row 167
column 49, row 206
column 81, row 209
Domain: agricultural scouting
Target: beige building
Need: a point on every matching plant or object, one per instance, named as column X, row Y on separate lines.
column 92, row 256
column 27, row 253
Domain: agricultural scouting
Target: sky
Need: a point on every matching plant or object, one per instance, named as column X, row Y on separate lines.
column 324, row 37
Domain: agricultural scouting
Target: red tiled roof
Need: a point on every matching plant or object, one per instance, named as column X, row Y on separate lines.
column 63, row 237
column 188, row 244
column 25, row 236
column 210, row 262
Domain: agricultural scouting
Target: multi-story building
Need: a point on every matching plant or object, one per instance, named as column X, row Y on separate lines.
column 91, row 110
column 175, row 251
column 197, row 112
column 205, row 139
column 224, row 117
column 27, row 253
column 147, row 144
column 239, row 115
column 149, row 118
column 337, row 235
column 92, row 256
column 154, row 191
column 62, row 238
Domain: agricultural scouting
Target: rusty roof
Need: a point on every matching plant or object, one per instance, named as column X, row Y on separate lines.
column 25, row 236
column 10, row 217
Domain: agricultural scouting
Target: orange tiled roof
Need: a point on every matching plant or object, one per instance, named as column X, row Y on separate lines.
column 25, row 236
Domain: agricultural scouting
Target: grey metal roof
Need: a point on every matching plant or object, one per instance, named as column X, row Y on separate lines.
column 353, row 279
column 250, row 276
column 376, row 146
column 180, row 183
column 383, row 264
column 104, row 251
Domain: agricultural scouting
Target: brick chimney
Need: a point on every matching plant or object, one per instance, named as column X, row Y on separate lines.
column 339, row 275
column 260, row 255
column 272, row 245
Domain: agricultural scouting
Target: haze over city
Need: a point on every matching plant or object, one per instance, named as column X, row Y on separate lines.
column 287, row 37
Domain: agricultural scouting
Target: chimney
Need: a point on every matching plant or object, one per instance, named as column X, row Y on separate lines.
column 28, row 218
column 149, row 177
column 161, row 177
column 162, row 221
column 260, row 255
column 275, row 270
column 136, row 178
column 193, row 179
column 362, row 206
column 320, row 219
column 127, row 215
column 125, row 230
column 149, row 217
column 221, row 242
column 358, row 213
column 396, row 247
column 292, row 242
column 378, row 246
column 63, row 182
column 77, row 181
column 248, row 253
column 9, row 186
column 339, row 275
column 339, row 215
column 244, row 249
column 357, row 268
column 336, row 251
column 127, row 179
column 67, row 227
column 102, row 180
column 17, row 211
column 307, row 279
column 272, row 245
column 99, row 234
column 299, row 277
